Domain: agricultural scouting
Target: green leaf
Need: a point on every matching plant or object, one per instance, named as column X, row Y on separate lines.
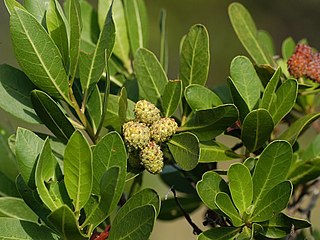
column 284, row 101
column 28, row 146
column 11, row 4
column 219, row 233
column 287, row 48
column 171, row 97
column 123, row 106
column 109, row 152
column 163, row 40
column 139, row 229
column 137, row 23
column 272, row 168
column 122, row 45
column 211, row 184
column 51, row 114
column 37, row 8
column 32, row 199
column 241, row 188
column 92, row 65
column 170, row 211
column 212, row 151
column 209, row 123
column 245, row 80
column 224, row 203
column 195, row 56
column 281, row 220
column 11, row 228
column 269, row 95
column 304, row 171
column 256, row 129
column 199, row 97
column 45, row 176
column 15, row 88
column 273, row 202
column 265, row 40
column 274, row 233
column 313, row 150
column 37, row 55
column 74, row 14
column 16, row 208
column 246, row 31
column 94, row 107
column 65, row 223
column 57, row 29
column 291, row 134
column 184, row 148
column 151, row 77
column 78, row 170
column 142, row 198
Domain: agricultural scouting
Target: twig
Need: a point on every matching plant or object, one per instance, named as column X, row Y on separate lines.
column 196, row 229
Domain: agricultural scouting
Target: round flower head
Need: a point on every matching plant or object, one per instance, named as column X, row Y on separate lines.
column 163, row 129
column 136, row 135
column 298, row 62
column 146, row 112
column 152, row 158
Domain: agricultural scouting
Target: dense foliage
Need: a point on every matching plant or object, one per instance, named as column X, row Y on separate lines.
column 111, row 113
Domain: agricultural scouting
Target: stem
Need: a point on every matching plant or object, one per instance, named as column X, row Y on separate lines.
column 196, row 229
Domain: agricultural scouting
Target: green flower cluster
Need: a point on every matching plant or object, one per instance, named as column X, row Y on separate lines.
column 144, row 135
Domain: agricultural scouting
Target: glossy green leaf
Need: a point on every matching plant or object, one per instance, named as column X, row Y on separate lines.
column 269, row 95
column 287, row 48
column 170, row 211
column 210, row 184
column 195, row 56
column 199, row 97
column 256, row 129
column 245, row 234
column 266, row 42
column 122, row 45
column 37, row 8
column 137, row 23
column 11, row 228
column 284, row 101
column 109, row 152
column 78, row 170
column 28, row 146
column 245, row 80
column 246, row 31
column 74, row 14
column 281, row 220
column 273, row 202
column 51, row 114
column 184, row 148
column 212, row 151
column 32, row 199
column 272, row 168
column 45, row 176
column 93, row 64
column 94, row 107
column 209, row 123
column 16, row 208
column 139, row 229
column 15, row 88
column 291, row 134
column 151, row 77
column 65, row 223
column 57, row 29
column 7, row 187
column 224, row 203
column 313, row 150
column 123, row 106
column 171, row 97
column 221, row 233
column 304, row 171
column 241, row 188
column 11, row 4
column 37, row 55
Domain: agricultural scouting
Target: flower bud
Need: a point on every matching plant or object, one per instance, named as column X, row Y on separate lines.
column 152, row 158
column 136, row 135
column 163, row 129
column 146, row 112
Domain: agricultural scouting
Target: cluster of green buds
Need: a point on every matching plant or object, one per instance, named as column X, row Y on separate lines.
column 145, row 133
